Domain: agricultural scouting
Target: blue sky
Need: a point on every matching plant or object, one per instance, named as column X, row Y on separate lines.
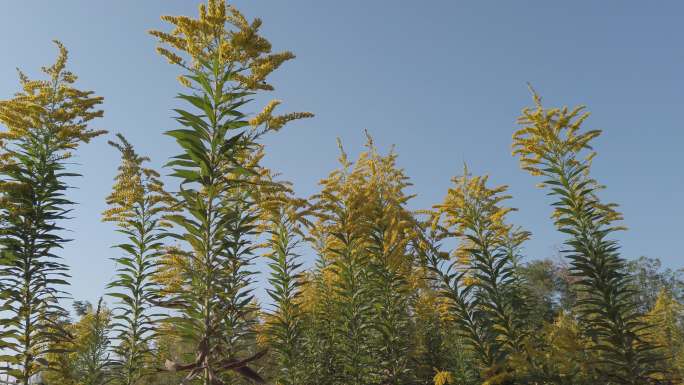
column 442, row 80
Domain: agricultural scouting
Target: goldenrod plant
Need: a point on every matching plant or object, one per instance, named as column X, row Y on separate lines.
column 86, row 357
column 481, row 281
column 472, row 211
column 438, row 343
column 338, row 207
column 320, row 333
column 666, row 316
column 46, row 121
column 93, row 358
column 454, row 284
column 391, row 264
column 283, row 220
column 224, row 62
column 137, row 206
column 553, row 145
column 363, row 234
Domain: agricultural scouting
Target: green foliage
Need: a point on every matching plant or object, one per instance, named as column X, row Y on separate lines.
column 471, row 323
column 440, row 346
column 320, row 333
column 391, row 296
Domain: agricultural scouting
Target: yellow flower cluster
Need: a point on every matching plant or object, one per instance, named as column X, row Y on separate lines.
column 551, row 135
column 363, row 196
column 222, row 35
column 227, row 49
column 551, row 142
column 137, row 190
column 275, row 123
column 443, row 378
column 314, row 289
column 472, row 212
column 174, row 263
column 51, row 109
column 472, row 206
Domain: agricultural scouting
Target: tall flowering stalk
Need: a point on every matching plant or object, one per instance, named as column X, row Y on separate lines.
column 552, row 144
column 473, row 213
column 93, row 346
column 363, row 232
column 137, row 205
column 45, row 122
column 225, row 62
column 340, row 234
column 85, row 358
column 667, row 314
column 390, row 231
column 283, row 219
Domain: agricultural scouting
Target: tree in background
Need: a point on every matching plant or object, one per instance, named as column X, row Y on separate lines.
column 46, row 121
column 649, row 279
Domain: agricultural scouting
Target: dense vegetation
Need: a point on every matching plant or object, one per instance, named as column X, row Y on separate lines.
column 437, row 296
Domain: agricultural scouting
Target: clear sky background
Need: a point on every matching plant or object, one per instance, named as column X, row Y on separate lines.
column 442, row 80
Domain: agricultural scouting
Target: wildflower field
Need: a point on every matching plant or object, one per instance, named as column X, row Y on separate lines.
column 396, row 296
